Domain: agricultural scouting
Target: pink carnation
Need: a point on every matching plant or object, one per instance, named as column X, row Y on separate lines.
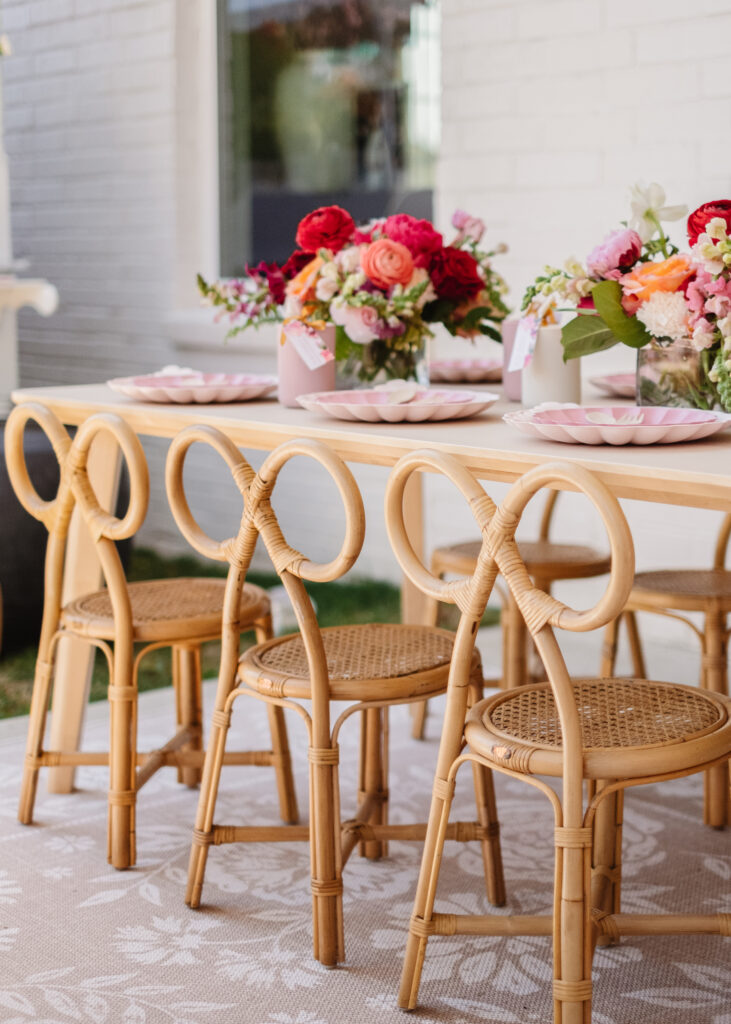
column 619, row 251
column 419, row 237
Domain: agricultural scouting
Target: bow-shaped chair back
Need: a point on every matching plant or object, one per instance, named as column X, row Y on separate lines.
column 499, row 554
column 76, row 490
column 259, row 520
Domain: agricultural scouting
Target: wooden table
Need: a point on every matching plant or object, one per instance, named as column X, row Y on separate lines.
column 697, row 474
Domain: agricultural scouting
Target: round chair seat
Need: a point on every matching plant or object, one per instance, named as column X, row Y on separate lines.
column 685, row 589
column 365, row 662
column 174, row 609
column 630, row 728
column 543, row 558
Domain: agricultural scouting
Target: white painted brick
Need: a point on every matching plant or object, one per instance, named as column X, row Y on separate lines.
column 715, row 77
column 538, row 19
column 671, row 41
column 43, row 11
column 561, row 169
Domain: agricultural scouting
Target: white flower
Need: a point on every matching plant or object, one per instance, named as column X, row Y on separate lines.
column 665, row 315
column 349, row 259
column 6, row 49
column 648, row 207
column 325, row 289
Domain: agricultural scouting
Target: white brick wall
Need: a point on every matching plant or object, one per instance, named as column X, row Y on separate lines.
column 551, row 108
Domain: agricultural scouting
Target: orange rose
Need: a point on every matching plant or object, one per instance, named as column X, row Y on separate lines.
column 387, row 263
column 668, row 276
column 302, row 285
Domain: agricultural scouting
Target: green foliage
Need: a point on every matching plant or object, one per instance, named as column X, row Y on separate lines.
column 586, row 334
column 607, row 296
column 723, row 380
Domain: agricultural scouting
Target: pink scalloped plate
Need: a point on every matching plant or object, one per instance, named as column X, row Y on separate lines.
column 469, row 371
column 617, row 425
column 198, row 388
column 618, row 385
column 374, row 406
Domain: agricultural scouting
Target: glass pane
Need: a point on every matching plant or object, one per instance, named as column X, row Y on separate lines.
column 323, row 102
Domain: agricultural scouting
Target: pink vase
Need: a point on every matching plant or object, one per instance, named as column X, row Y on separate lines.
column 511, row 379
column 295, row 378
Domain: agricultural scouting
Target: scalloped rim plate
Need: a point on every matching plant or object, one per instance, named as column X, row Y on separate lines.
column 618, row 385
column 198, row 388
column 659, row 425
column 374, row 406
column 454, row 371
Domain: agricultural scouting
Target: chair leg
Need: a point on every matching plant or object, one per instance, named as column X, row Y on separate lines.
column 635, row 646
column 609, row 649
column 288, row 809
column 325, row 859
column 715, row 677
column 373, row 775
column 121, row 850
column 36, row 732
column 573, row 940
column 419, row 710
column 487, row 816
column 514, row 646
column 606, row 864
column 203, row 829
column 187, row 685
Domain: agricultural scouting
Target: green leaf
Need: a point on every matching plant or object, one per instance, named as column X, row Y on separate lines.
column 491, row 332
column 607, row 296
column 585, row 335
column 474, row 317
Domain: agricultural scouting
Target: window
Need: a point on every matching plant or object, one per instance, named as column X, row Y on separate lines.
column 323, row 101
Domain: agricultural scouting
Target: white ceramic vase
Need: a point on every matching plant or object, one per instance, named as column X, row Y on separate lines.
column 547, row 378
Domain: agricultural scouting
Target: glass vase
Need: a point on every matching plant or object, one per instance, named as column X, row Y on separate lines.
column 676, row 375
column 364, row 366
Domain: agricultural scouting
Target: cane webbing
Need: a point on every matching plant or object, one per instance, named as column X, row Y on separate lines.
column 700, row 583
column 612, row 713
column 363, row 652
column 535, row 553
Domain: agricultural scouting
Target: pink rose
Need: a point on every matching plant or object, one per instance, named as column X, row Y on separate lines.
column 418, row 236
column 467, row 227
column 361, row 323
column 619, row 251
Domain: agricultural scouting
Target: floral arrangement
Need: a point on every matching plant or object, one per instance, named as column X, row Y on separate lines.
column 381, row 284
column 638, row 289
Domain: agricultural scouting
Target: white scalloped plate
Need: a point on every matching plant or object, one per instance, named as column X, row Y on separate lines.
column 374, row 405
column 197, row 388
column 618, row 385
column 656, row 424
column 455, row 371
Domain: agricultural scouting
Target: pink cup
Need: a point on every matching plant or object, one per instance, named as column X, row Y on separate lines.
column 294, row 376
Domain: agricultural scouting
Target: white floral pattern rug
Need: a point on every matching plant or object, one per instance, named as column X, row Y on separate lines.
column 82, row 942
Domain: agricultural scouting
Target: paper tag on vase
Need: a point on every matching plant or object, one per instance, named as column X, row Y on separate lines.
column 308, row 344
column 525, row 342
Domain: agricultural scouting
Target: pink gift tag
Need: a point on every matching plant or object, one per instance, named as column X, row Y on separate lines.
column 308, row 344
column 525, row 342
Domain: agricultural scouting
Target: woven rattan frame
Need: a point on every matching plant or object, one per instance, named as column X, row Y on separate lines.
column 667, row 592
column 176, row 613
column 614, row 733
column 373, row 666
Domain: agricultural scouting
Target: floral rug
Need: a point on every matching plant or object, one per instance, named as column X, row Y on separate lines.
column 82, row 942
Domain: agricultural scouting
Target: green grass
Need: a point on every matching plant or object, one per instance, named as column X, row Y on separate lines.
column 346, row 601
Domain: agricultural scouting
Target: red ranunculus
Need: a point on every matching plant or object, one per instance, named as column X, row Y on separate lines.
column 329, row 227
column 700, row 217
column 454, row 274
column 274, row 277
column 419, row 237
column 295, row 263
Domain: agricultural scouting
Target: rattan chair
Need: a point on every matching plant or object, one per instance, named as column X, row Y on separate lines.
column 614, row 733
column 176, row 613
column 547, row 562
column 369, row 666
column 705, row 591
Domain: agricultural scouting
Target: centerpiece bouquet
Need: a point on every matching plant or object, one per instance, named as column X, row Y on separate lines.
column 638, row 289
column 382, row 285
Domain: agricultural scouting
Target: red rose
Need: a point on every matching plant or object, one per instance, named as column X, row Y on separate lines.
column 295, row 263
column 700, row 217
column 454, row 274
column 329, row 227
column 419, row 237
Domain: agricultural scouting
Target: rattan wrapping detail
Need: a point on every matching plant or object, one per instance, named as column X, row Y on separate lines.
column 368, row 652
column 624, row 714
column 703, row 583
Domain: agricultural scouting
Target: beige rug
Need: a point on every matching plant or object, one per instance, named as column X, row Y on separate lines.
column 81, row 942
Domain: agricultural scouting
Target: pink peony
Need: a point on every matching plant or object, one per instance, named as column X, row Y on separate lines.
column 418, row 236
column 619, row 251
column 361, row 323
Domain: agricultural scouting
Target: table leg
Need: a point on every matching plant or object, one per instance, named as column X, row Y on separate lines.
column 414, row 604
column 82, row 573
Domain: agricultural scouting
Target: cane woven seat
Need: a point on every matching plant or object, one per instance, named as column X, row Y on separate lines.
column 688, row 589
column 164, row 609
column 382, row 661
column 543, row 558
column 654, row 721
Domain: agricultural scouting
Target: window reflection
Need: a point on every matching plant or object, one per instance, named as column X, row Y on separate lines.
column 323, row 102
